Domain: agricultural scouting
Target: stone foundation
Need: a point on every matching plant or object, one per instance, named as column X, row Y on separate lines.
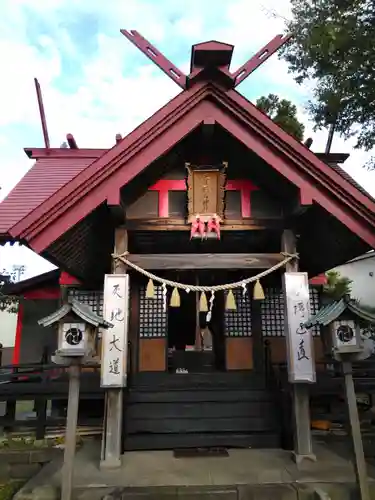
column 23, row 464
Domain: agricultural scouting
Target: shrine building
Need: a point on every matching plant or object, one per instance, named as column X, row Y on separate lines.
column 180, row 235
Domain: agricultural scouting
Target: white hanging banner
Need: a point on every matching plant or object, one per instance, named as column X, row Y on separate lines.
column 300, row 347
column 115, row 339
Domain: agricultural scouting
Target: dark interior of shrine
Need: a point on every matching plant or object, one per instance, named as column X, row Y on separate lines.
column 186, row 322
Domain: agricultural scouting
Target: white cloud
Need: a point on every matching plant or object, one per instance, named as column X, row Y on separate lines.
column 21, row 63
column 109, row 101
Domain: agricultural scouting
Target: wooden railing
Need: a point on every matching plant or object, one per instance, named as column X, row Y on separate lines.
column 327, row 395
column 40, row 383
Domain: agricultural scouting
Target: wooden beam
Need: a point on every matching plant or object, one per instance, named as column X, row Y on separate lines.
column 42, row 113
column 156, row 57
column 259, row 58
column 116, row 209
column 163, row 224
column 206, row 260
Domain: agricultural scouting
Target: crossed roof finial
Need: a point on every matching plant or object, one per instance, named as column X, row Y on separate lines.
column 206, row 55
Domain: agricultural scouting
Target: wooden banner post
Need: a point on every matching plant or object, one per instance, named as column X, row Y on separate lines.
column 114, row 364
column 300, row 351
column 114, row 354
column 71, row 431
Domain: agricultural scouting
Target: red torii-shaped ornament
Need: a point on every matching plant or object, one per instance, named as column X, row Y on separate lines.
column 182, row 80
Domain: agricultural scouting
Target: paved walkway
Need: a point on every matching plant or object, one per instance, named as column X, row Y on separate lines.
column 159, row 469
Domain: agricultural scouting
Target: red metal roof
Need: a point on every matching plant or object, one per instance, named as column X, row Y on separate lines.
column 44, row 179
column 40, row 212
column 116, row 167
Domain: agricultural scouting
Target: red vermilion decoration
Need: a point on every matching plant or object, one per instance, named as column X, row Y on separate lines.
column 205, row 230
column 66, row 279
column 17, row 341
column 165, row 185
column 213, row 226
column 197, row 228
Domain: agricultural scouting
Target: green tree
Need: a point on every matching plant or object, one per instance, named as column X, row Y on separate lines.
column 337, row 285
column 282, row 112
column 332, row 46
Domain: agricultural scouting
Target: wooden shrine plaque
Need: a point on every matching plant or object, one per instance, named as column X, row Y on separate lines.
column 205, row 192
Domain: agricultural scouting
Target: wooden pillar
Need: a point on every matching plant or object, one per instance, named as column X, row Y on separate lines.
column 301, row 400
column 113, row 413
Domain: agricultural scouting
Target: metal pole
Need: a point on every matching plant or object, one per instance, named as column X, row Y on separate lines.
column 70, row 433
column 360, row 463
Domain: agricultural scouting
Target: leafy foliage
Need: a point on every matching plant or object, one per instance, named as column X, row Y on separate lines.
column 337, row 286
column 333, row 44
column 283, row 113
column 7, row 302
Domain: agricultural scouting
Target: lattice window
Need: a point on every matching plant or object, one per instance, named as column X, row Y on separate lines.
column 314, row 308
column 93, row 299
column 272, row 312
column 238, row 323
column 152, row 317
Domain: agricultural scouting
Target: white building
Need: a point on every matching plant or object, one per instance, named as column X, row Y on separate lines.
column 361, row 271
column 8, row 325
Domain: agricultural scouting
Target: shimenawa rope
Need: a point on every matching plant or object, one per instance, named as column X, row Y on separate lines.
column 202, row 288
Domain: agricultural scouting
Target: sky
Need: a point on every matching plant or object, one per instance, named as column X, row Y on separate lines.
column 96, row 84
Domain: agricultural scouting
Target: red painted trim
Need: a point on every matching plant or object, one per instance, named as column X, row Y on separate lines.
column 17, row 341
column 315, row 170
column 164, row 185
column 286, row 169
column 39, row 237
column 67, row 279
column 43, row 293
column 245, row 187
column 163, row 203
column 104, row 167
column 305, row 197
column 114, row 197
column 66, row 153
column 321, row 279
column 169, row 185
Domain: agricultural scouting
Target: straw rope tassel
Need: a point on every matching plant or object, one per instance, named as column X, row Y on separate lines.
column 258, row 292
column 150, row 290
column 230, row 304
column 175, row 298
column 203, row 306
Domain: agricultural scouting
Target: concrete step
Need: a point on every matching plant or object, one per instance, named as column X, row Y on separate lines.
column 306, row 491
column 241, row 492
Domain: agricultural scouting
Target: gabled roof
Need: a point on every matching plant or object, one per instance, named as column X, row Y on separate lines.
column 50, row 278
column 81, row 310
column 331, row 312
column 101, row 180
column 49, row 173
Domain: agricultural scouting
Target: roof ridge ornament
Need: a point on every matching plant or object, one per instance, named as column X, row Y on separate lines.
column 211, row 55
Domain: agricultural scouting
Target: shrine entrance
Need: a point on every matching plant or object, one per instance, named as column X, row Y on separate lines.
column 195, row 345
